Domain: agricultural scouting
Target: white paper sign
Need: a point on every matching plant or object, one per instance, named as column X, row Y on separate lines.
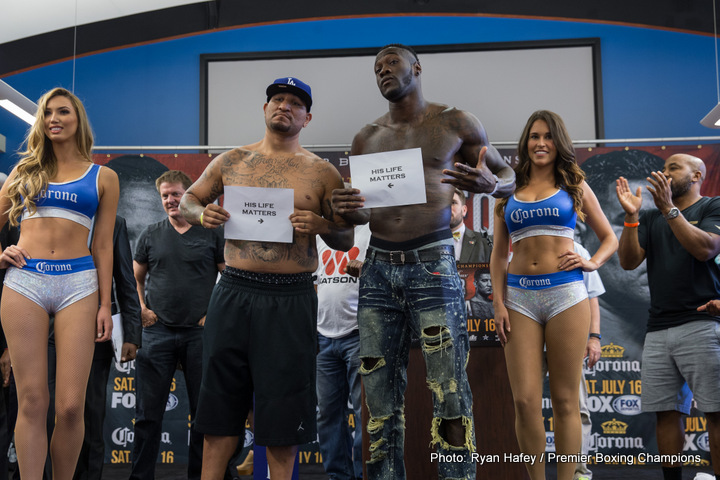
column 259, row 214
column 117, row 337
column 388, row 179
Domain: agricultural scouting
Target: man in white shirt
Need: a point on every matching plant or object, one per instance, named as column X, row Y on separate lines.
column 338, row 361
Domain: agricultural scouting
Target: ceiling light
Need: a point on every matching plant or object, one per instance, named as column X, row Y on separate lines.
column 712, row 119
column 17, row 111
column 16, row 103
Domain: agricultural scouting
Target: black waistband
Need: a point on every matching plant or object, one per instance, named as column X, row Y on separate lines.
column 402, row 257
column 271, row 278
column 412, row 244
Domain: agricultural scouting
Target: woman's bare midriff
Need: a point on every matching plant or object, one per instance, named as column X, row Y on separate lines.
column 53, row 238
column 538, row 255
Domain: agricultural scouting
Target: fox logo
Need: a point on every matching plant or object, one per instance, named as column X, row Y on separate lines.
column 335, row 261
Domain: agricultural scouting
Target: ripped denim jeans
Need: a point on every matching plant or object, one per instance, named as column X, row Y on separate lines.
column 423, row 299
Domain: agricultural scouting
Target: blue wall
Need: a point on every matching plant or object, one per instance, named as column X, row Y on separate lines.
column 655, row 83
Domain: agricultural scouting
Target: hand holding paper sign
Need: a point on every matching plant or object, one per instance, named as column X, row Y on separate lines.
column 310, row 223
column 477, row 180
column 259, row 214
column 214, row 216
column 389, row 178
column 347, row 201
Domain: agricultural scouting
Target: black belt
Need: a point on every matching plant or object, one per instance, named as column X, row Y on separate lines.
column 399, row 257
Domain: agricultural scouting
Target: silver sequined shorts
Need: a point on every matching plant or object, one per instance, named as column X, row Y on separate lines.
column 54, row 284
column 541, row 297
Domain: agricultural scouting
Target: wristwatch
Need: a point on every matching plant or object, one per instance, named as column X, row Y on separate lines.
column 674, row 212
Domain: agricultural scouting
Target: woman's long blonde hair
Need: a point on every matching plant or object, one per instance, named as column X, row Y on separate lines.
column 38, row 163
column 568, row 175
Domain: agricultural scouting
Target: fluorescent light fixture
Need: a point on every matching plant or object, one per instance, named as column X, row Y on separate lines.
column 17, row 111
column 16, row 103
column 712, row 119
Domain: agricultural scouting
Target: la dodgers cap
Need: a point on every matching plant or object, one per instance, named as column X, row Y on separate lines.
column 292, row 85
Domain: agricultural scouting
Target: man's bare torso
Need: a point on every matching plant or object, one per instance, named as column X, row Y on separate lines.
column 302, row 173
column 437, row 134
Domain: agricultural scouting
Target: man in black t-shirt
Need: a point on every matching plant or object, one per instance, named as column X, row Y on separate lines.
column 176, row 265
column 680, row 240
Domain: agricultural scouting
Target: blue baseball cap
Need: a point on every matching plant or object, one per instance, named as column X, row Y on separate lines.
column 292, row 85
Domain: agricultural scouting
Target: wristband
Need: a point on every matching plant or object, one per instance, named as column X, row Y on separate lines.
column 631, row 225
column 201, row 220
column 595, row 335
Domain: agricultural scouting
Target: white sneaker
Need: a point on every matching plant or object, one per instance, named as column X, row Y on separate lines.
column 704, row 476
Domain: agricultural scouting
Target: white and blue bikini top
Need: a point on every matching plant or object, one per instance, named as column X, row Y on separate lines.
column 554, row 215
column 76, row 200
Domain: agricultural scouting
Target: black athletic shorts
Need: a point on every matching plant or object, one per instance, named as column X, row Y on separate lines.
column 260, row 338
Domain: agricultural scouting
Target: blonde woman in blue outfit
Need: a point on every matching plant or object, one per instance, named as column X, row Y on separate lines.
column 57, row 192
column 540, row 298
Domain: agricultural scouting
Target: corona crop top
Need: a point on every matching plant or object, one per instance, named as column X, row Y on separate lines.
column 76, row 200
column 554, row 215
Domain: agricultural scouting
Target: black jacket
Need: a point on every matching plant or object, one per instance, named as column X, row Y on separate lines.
column 476, row 247
column 124, row 294
column 8, row 236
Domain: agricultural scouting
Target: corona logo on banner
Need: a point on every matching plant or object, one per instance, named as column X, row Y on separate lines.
column 614, row 427
column 612, row 351
column 600, row 442
column 549, row 441
column 126, row 367
column 336, row 262
column 122, row 436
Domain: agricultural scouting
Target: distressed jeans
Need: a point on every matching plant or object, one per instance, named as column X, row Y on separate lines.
column 424, row 299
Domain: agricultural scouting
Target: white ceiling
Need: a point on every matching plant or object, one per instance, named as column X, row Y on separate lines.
column 26, row 18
